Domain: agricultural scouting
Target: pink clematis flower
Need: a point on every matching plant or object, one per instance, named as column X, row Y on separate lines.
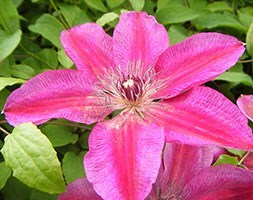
column 155, row 86
column 185, row 173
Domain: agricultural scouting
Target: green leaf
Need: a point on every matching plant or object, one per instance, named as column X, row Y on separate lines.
column 114, row 3
column 209, row 20
column 236, row 152
column 59, row 135
column 167, row 3
column 38, row 195
column 197, row 4
column 106, row 18
column 49, row 27
column 15, row 190
column 226, row 159
column 177, row 33
column 9, row 18
column 236, row 77
column 249, row 40
column 8, row 43
column 22, row 71
column 175, row 14
column 246, row 16
column 7, row 81
column 97, row 5
column 64, row 59
column 49, row 56
column 72, row 165
column 5, row 173
column 73, row 14
column 3, row 94
column 219, row 6
column 33, row 160
column 137, row 5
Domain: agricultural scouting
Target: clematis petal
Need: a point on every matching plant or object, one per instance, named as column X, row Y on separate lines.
column 220, row 183
column 55, row 94
column 203, row 116
column 124, row 157
column 79, row 189
column 180, row 164
column 245, row 103
column 248, row 162
column 138, row 37
column 196, row 60
column 89, row 47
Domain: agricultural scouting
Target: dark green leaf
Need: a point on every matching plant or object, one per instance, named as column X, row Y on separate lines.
column 197, row 4
column 5, row 173
column 38, row 195
column 49, row 56
column 33, row 160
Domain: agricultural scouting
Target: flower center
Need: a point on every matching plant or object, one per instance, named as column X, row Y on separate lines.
column 131, row 88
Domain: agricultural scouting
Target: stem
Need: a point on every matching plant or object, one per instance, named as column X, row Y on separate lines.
column 67, row 124
column 60, row 15
column 4, row 131
column 243, row 158
column 3, row 122
column 245, row 61
column 36, row 57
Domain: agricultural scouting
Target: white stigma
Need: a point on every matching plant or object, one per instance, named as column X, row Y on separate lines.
column 128, row 83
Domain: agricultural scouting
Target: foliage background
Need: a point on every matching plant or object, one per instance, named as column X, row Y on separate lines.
column 29, row 45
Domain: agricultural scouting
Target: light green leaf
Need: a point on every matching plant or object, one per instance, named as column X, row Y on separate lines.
column 209, row 20
column 137, row 5
column 114, row 3
column 73, row 14
column 33, row 160
column 22, row 71
column 64, row 59
column 72, row 165
column 59, row 135
column 9, row 18
column 49, row 27
column 177, row 33
column 8, row 43
column 175, row 14
column 5, row 173
column 6, row 81
column 167, row 3
column 97, row 5
column 106, row 18
column 236, row 152
column 219, row 6
column 236, row 77
column 226, row 159
column 249, row 40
